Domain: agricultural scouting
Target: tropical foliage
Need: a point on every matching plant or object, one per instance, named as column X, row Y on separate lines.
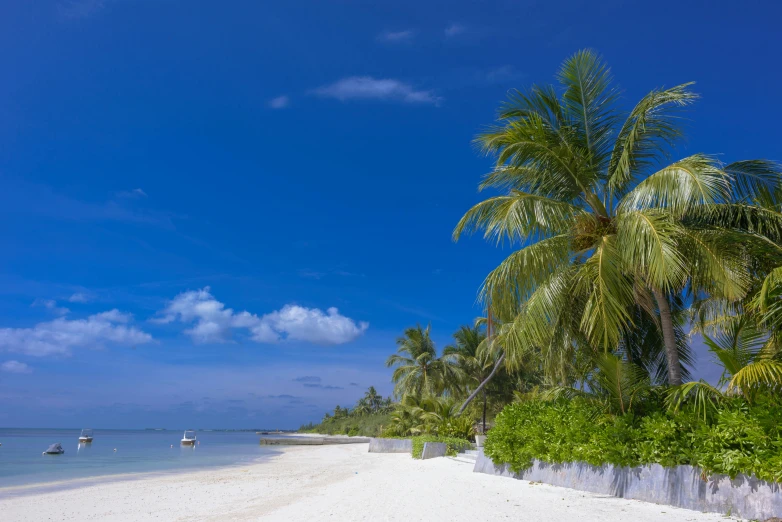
column 738, row 439
column 605, row 225
column 367, row 418
column 619, row 251
column 417, row 368
column 431, row 416
column 624, row 253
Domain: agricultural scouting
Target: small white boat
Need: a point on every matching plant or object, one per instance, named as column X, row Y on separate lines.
column 86, row 435
column 189, row 438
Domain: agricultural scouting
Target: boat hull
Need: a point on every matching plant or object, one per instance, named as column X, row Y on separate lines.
column 188, row 442
column 85, row 440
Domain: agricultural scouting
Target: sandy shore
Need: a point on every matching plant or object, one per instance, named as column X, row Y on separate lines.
column 345, row 483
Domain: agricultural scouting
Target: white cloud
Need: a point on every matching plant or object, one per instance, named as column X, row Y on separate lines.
column 214, row 322
column 312, row 325
column 280, row 102
column 454, row 30
column 396, row 36
column 78, row 297
column 15, row 367
column 369, row 88
column 60, row 336
column 51, row 304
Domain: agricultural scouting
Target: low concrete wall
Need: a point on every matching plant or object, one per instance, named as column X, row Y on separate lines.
column 391, row 445
column 433, row 450
column 681, row 486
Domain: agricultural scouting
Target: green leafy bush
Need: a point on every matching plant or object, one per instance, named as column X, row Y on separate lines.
column 460, row 427
column 738, row 439
column 453, row 445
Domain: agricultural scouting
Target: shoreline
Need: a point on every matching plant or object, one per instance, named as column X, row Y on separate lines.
column 70, row 484
column 339, row 482
column 109, row 478
column 33, row 488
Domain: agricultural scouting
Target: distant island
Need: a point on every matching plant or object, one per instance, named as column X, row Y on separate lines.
column 251, row 430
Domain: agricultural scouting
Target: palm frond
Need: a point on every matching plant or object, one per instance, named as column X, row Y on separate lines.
column 716, row 265
column 754, row 179
column 644, row 137
column 520, row 273
column 542, row 101
column 536, row 322
column 589, row 102
column 714, row 314
column 737, row 346
column 648, row 242
column 552, row 165
column 702, row 396
column 751, row 218
column 678, row 188
column 610, row 295
column 768, row 300
column 759, row 373
column 623, row 382
column 517, row 217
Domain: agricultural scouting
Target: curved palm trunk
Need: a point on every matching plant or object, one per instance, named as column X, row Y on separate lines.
column 483, row 384
column 669, row 338
column 484, row 411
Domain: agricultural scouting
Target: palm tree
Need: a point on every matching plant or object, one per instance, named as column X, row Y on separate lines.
column 408, row 418
column 429, row 415
column 386, row 405
column 475, row 364
column 418, row 369
column 602, row 228
column 362, row 407
column 373, row 399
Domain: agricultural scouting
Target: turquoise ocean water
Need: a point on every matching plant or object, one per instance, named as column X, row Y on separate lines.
column 138, row 451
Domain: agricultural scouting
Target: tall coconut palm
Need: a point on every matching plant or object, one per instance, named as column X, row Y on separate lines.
column 476, row 364
column 418, row 370
column 598, row 214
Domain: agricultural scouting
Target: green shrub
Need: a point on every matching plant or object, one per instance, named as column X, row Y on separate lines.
column 460, row 427
column 453, row 445
column 738, row 439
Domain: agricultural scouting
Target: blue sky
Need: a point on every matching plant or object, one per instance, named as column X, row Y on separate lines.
column 222, row 214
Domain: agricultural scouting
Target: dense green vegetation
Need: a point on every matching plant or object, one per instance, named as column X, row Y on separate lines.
column 622, row 252
column 366, row 419
column 364, row 426
column 736, row 438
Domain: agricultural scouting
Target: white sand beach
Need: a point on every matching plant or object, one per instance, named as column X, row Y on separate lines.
column 344, row 482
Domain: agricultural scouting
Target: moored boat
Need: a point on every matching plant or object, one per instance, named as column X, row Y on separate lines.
column 189, row 438
column 86, row 435
column 54, row 449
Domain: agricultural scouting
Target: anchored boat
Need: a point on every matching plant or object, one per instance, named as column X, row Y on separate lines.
column 54, row 449
column 189, row 438
column 86, row 435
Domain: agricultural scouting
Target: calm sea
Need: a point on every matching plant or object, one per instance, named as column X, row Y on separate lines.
column 138, row 451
